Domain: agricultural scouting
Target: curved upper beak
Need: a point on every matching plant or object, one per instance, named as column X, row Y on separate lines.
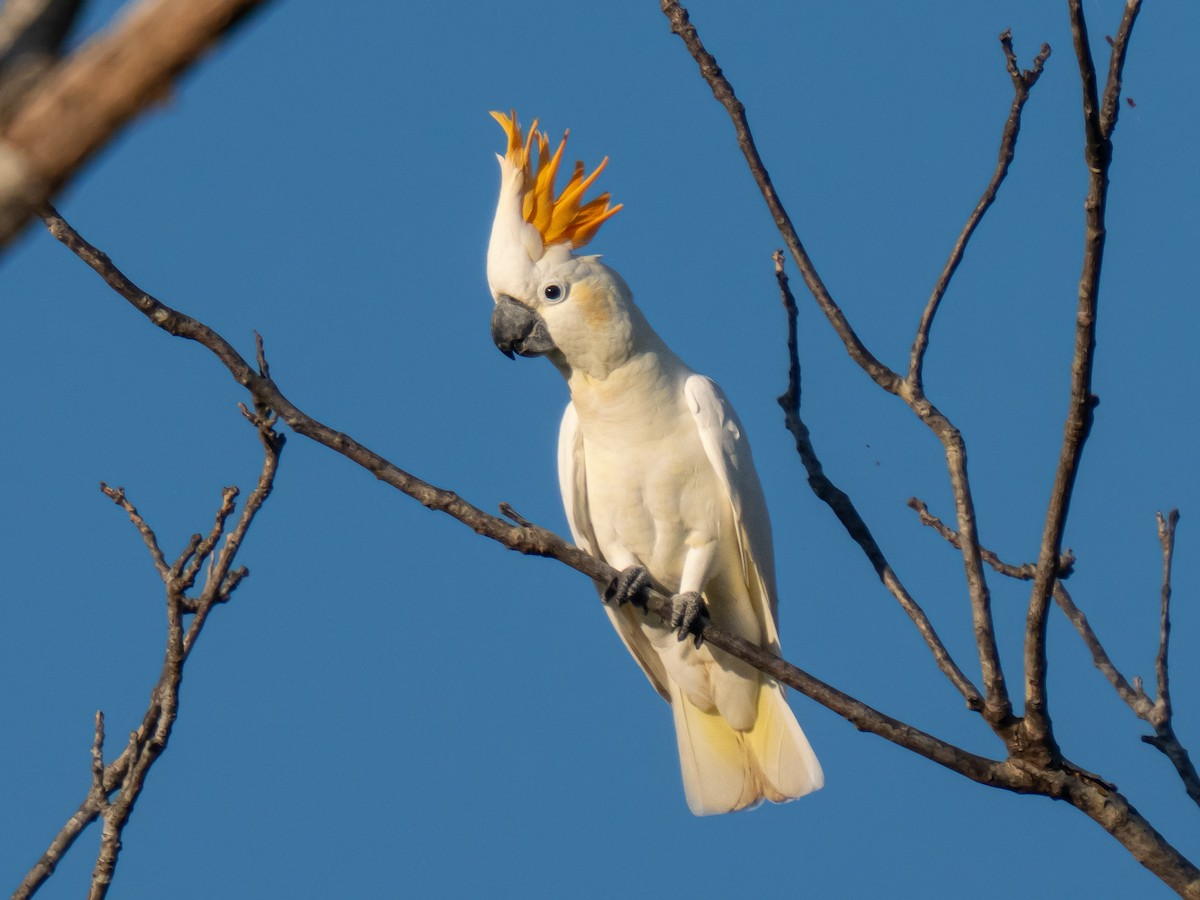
column 518, row 329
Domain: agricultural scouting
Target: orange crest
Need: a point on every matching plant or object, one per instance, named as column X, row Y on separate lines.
column 562, row 219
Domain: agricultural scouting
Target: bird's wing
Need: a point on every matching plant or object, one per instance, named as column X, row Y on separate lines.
column 572, row 481
column 729, row 453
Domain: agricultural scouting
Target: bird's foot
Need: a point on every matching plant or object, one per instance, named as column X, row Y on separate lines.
column 628, row 587
column 689, row 615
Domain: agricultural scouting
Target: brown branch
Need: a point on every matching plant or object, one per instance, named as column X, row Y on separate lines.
column 997, row 706
column 31, row 37
column 1135, row 697
column 82, row 103
column 526, row 539
column 681, row 25
column 1166, row 536
column 1036, row 726
column 1158, row 713
column 843, row 507
column 117, row 496
column 1023, row 82
column 1162, row 714
column 1023, row 572
column 115, row 788
column 1089, row 794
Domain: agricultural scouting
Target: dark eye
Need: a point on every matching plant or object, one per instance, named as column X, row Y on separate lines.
column 553, row 292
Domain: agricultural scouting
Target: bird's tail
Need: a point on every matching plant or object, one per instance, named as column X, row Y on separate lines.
column 725, row 769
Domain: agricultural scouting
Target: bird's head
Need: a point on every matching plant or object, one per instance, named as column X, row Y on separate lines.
column 550, row 301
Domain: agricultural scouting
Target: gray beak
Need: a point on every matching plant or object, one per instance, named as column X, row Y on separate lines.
column 518, row 329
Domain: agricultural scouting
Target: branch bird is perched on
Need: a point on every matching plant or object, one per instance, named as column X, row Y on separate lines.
column 657, row 480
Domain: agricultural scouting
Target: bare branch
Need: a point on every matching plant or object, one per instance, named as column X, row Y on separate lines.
column 117, row 495
column 1098, row 154
column 127, row 774
column 1157, row 713
column 1024, row 572
column 1023, row 83
column 681, row 25
column 527, row 539
column 1133, row 695
column 1166, row 536
column 204, row 549
column 1162, row 714
column 843, row 507
column 997, row 706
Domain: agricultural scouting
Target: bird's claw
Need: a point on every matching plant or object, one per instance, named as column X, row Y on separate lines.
column 628, row 587
column 689, row 615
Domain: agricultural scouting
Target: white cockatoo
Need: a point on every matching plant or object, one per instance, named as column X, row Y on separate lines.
column 657, row 480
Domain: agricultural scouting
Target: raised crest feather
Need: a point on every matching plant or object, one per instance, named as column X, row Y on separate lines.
column 564, row 219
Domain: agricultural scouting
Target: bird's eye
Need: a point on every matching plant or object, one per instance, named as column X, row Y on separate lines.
column 554, row 291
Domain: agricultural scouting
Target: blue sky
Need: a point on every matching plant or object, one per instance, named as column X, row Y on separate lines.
column 394, row 706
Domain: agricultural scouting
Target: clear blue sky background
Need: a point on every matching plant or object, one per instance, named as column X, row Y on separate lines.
column 393, row 706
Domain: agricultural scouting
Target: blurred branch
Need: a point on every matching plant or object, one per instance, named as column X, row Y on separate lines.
column 1086, row 792
column 115, row 788
column 31, row 37
column 843, row 507
column 83, row 102
column 1100, row 118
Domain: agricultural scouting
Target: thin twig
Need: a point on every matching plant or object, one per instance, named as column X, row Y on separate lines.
column 1166, row 536
column 1023, row 83
column 843, row 507
column 1023, row 572
column 117, row 495
column 1162, row 714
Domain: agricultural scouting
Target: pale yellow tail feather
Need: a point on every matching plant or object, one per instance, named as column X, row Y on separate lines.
column 785, row 761
column 726, row 770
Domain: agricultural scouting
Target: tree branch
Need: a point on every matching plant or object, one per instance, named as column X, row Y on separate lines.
column 997, row 706
column 1158, row 713
column 524, row 538
column 1093, row 796
column 1023, row 83
column 115, row 789
column 84, row 101
column 681, row 25
column 843, row 507
column 1036, row 726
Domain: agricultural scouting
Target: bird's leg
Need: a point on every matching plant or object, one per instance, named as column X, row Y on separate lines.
column 688, row 613
column 628, row 586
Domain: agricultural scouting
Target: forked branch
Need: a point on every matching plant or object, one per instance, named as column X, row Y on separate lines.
column 1100, row 118
column 116, row 787
column 843, row 507
column 997, row 706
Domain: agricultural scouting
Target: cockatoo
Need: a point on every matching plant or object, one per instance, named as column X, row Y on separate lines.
column 657, row 481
